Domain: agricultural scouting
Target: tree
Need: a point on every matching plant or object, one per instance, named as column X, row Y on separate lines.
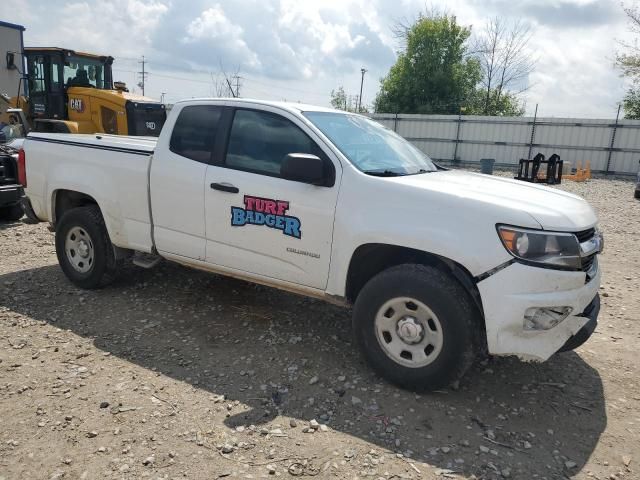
column 433, row 72
column 631, row 103
column 497, row 103
column 629, row 63
column 339, row 99
column 349, row 103
column 502, row 50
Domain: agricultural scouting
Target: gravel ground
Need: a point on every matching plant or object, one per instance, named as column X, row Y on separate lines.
column 174, row 373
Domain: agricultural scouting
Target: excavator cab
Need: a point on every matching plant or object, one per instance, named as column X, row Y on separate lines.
column 73, row 92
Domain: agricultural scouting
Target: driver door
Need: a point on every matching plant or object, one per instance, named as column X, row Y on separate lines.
column 260, row 223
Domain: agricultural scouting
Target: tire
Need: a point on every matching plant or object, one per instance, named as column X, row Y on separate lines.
column 12, row 213
column 636, row 194
column 445, row 352
column 90, row 265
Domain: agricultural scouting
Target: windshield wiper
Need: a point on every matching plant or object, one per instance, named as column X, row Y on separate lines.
column 384, row 173
column 422, row 170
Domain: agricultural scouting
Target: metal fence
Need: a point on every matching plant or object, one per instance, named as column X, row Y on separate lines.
column 611, row 146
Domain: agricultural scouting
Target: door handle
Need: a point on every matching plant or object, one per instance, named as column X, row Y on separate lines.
column 225, row 187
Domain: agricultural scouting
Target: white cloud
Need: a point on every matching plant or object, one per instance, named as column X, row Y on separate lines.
column 213, row 26
column 303, row 49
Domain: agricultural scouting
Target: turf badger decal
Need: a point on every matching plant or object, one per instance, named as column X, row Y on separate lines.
column 265, row 211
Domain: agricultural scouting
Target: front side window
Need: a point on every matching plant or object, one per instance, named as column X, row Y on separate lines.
column 36, row 74
column 56, row 77
column 259, row 142
column 194, row 133
column 372, row 148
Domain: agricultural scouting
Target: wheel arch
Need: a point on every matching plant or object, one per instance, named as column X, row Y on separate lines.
column 63, row 200
column 372, row 258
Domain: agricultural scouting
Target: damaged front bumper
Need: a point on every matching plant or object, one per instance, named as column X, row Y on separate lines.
column 509, row 293
column 591, row 313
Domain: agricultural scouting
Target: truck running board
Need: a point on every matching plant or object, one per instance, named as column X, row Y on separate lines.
column 146, row 260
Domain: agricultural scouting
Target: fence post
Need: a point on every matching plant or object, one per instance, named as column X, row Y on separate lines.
column 455, row 150
column 395, row 123
column 533, row 132
column 613, row 139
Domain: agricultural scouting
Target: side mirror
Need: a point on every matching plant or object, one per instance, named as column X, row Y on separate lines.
column 303, row 167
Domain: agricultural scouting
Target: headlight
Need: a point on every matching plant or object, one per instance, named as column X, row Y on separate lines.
column 538, row 247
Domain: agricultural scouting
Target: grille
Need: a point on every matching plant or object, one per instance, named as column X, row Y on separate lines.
column 585, row 235
column 587, row 262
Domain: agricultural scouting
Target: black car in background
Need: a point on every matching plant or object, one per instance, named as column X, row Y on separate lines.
column 10, row 188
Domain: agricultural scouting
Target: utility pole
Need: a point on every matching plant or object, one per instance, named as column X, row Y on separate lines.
column 363, row 71
column 237, row 78
column 143, row 74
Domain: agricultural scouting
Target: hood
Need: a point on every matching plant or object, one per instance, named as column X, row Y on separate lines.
column 553, row 209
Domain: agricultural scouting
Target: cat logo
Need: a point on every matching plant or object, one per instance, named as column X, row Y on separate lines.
column 76, row 104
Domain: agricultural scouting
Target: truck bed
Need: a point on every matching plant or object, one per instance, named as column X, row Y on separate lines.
column 112, row 169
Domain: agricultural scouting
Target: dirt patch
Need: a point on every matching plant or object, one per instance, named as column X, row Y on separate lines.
column 175, row 373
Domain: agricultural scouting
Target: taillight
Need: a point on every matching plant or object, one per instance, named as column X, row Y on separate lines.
column 22, row 168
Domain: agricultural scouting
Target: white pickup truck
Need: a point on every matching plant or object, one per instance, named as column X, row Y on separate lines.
column 439, row 265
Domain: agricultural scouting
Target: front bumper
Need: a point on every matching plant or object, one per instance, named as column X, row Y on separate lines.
column 507, row 294
column 591, row 312
column 10, row 194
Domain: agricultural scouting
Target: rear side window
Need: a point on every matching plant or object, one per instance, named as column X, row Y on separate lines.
column 195, row 131
column 259, row 141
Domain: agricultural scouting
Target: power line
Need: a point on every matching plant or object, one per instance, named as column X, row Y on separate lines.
column 250, row 80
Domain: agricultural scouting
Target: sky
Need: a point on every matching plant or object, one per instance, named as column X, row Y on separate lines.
column 299, row 50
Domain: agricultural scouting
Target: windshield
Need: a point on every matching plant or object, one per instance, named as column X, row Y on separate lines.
column 372, row 148
column 84, row 72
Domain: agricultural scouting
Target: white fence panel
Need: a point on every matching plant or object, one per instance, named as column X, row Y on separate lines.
column 470, row 138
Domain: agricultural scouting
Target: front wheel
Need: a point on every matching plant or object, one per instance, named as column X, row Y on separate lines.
column 84, row 250
column 416, row 326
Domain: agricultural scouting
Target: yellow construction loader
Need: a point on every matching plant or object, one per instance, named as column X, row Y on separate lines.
column 74, row 92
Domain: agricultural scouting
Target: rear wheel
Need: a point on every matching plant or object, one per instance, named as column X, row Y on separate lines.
column 84, row 250
column 416, row 326
column 12, row 213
